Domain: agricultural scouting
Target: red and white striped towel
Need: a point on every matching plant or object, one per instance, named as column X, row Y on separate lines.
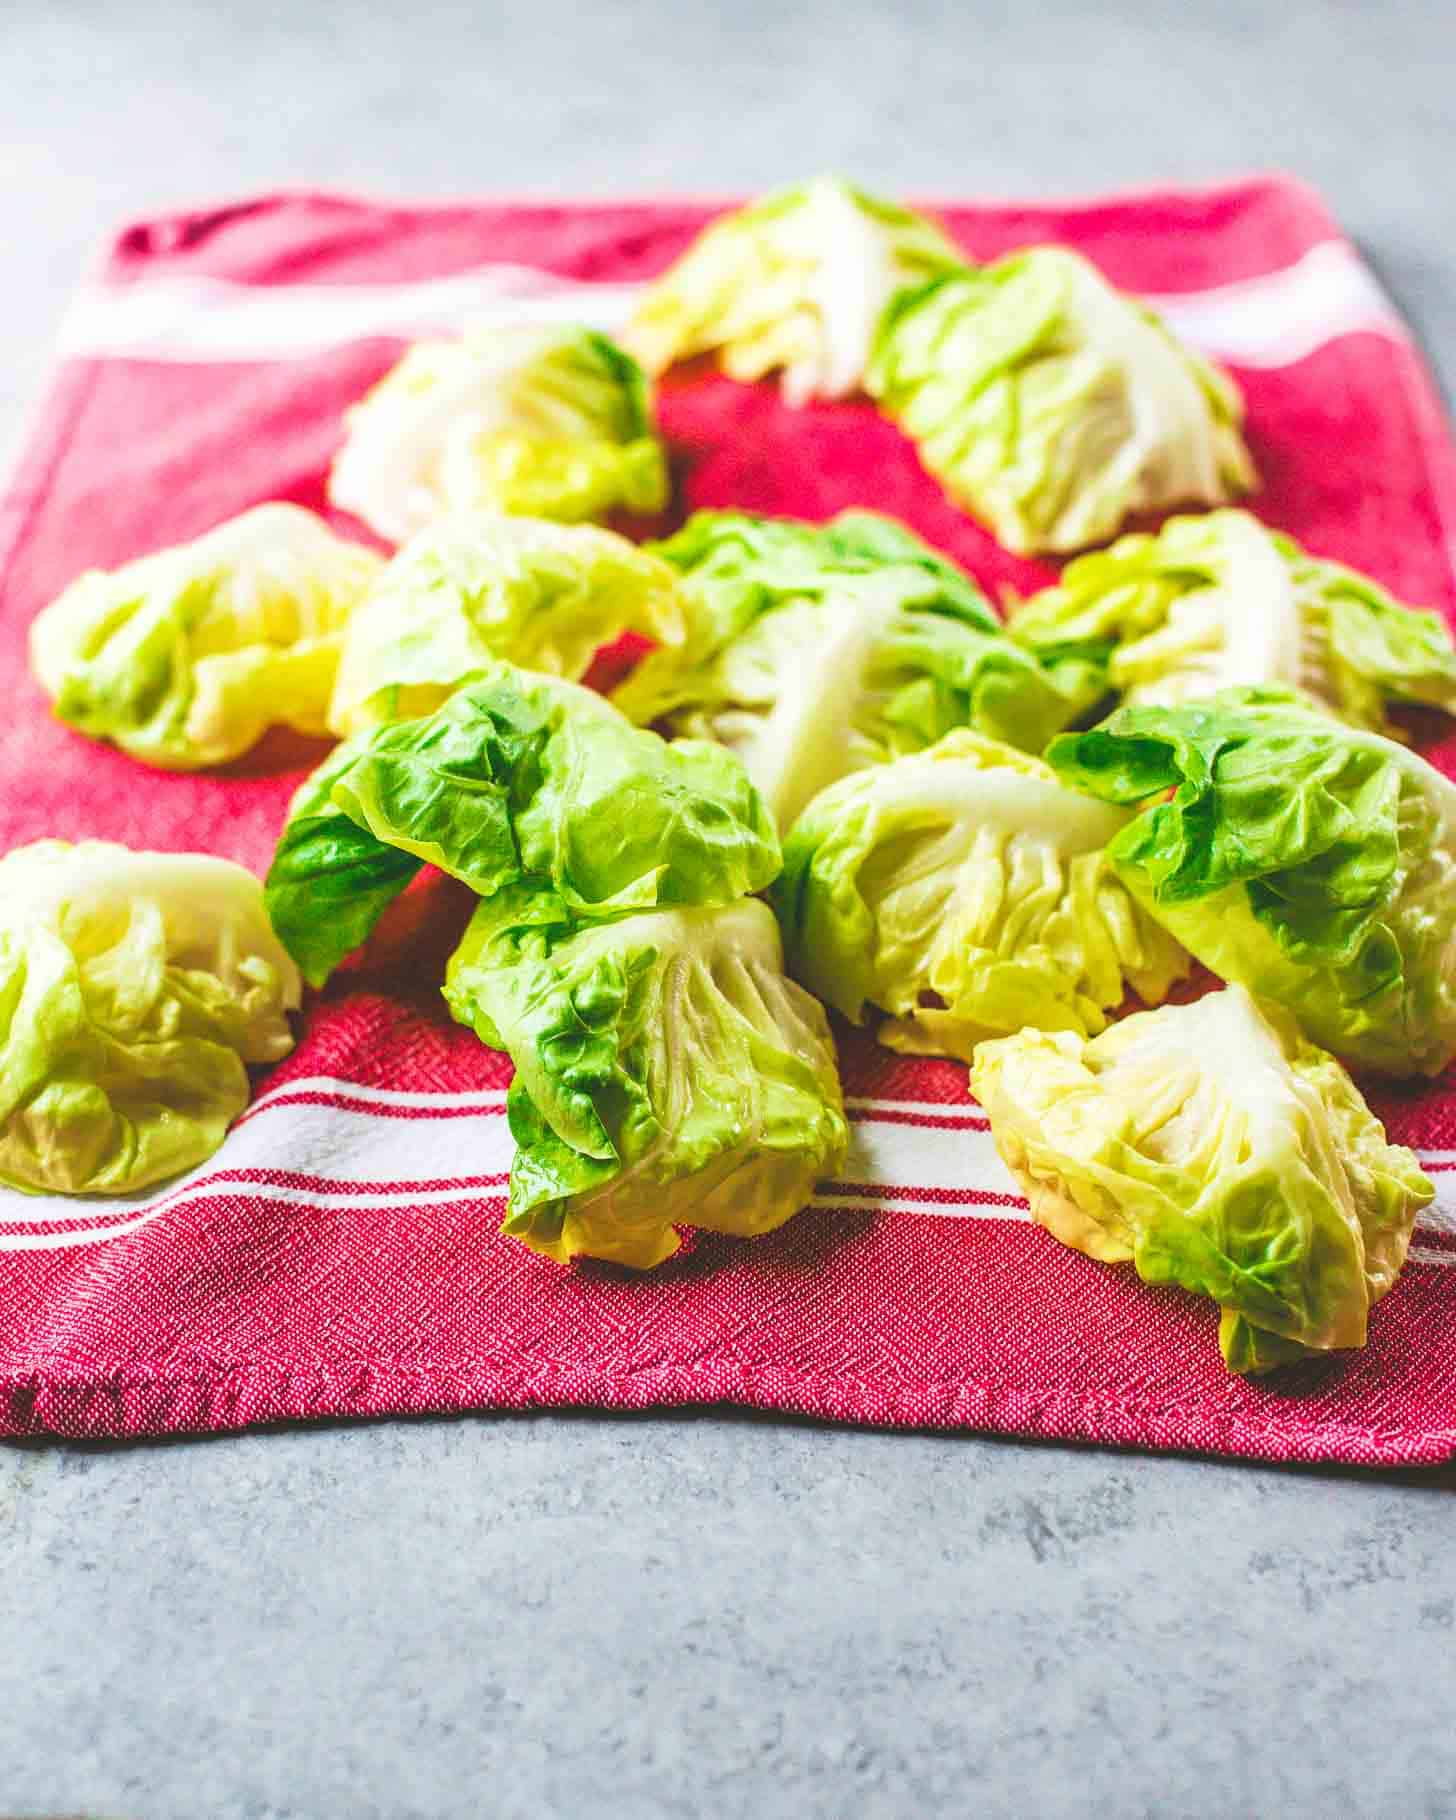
column 339, row 1255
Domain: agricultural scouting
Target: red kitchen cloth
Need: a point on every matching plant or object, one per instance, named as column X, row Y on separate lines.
column 339, row 1255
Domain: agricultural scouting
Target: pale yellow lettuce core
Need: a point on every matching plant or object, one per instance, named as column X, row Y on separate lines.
column 796, row 282
column 186, row 658
column 550, row 421
column 1214, row 1147
column 964, row 892
column 135, row 988
column 1051, row 405
column 468, row 591
column 1221, row 601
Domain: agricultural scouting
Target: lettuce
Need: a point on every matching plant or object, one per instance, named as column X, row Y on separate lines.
column 666, row 1074
column 516, row 778
column 1216, row 1149
column 1220, row 602
column 819, row 650
column 187, row 657
column 1311, row 862
column 797, row 281
column 468, row 590
column 964, row 893
column 134, row 989
column 1052, row 406
column 553, row 422
column 330, row 881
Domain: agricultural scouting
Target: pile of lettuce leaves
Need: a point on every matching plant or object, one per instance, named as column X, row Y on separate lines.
column 837, row 775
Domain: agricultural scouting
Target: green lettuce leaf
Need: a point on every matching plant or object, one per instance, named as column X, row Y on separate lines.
column 666, row 1074
column 516, row 778
column 1311, row 862
column 795, row 282
column 330, row 880
column 1220, row 602
column 817, row 651
column 1217, row 1149
column 964, row 893
column 134, row 989
column 187, row 657
column 1052, row 406
column 736, row 565
column 469, row 590
column 553, row 422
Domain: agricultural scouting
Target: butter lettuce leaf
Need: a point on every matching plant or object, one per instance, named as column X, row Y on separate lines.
column 1053, row 407
column 550, row 421
column 134, row 990
column 469, row 590
column 666, row 1074
column 819, row 650
column 516, row 778
column 1216, row 1149
column 185, row 658
column 330, row 880
column 1312, row 862
column 964, row 892
column 1221, row 602
column 795, row 283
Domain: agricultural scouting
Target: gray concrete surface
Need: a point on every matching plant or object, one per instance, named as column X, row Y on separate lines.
column 712, row 1616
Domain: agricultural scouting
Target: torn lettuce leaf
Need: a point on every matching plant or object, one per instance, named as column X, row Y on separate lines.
column 330, row 880
column 819, row 650
column 1052, row 406
column 134, row 989
column 518, row 777
column 964, row 893
column 185, row 658
column 795, row 282
column 736, row 565
column 470, row 590
column 667, row 1073
column 1221, row 602
column 552, row 422
column 1215, row 1148
column 1312, row 862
